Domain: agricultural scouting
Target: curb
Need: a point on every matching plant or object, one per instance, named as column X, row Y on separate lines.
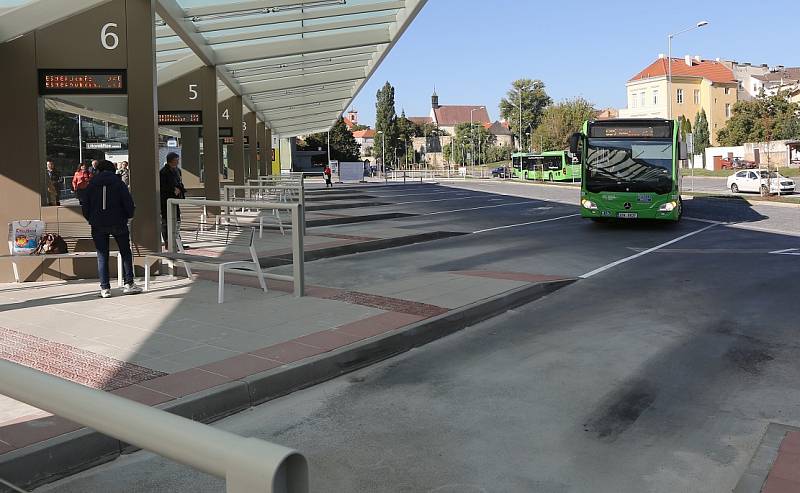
column 740, row 198
column 62, row 456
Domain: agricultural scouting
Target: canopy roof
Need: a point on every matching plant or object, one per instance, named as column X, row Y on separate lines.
column 297, row 63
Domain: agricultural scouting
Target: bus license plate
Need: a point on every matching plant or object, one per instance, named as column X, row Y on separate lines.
column 628, row 215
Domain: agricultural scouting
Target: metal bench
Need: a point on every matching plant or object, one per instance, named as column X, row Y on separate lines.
column 73, row 234
column 225, row 238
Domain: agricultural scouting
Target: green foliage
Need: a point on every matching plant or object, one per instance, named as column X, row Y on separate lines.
column 356, row 128
column 534, row 101
column 762, row 119
column 685, row 125
column 386, row 122
column 343, row 145
column 559, row 121
column 701, row 135
column 471, row 143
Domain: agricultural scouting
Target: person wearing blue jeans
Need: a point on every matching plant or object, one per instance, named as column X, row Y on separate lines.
column 108, row 206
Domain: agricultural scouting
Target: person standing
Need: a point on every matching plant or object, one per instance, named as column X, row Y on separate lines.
column 53, row 184
column 108, row 206
column 328, row 174
column 80, row 181
column 124, row 173
column 171, row 188
column 93, row 168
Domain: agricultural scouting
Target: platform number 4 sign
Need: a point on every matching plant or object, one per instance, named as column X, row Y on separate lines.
column 226, row 115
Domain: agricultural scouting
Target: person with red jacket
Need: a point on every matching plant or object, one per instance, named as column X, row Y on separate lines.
column 327, row 174
column 80, row 181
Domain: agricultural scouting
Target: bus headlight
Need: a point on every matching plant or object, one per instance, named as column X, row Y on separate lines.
column 668, row 207
column 588, row 204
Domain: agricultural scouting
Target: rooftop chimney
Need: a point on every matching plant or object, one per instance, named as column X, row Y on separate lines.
column 688, row 60
column 661, row 56
column 697, row 58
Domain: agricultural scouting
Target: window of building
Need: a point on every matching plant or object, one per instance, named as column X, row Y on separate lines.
column 642, row 99
column 634, row 100
column 755, row 87
column 728, row 111
column 655, row 97
column 680, row 96
column 697, row 96
column 727, row 91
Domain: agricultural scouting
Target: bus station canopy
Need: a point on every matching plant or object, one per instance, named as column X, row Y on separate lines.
column 297, row 63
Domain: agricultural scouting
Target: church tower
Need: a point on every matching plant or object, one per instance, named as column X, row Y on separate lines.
column 435, row 100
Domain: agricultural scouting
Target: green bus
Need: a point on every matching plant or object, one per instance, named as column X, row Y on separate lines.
column 547, row 166
column 630, row 169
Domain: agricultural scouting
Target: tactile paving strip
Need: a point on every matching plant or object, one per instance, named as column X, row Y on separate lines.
column 77, row 365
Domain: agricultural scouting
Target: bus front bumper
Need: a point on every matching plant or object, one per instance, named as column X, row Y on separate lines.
column 669, row 210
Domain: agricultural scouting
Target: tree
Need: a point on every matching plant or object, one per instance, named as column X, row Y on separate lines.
column 406, row 131
column 560, row 121
column 685, row 125
column 343, row 145
column 764, row 118
column 386, row 122
column 701, row 134
column 534, row 101
column 471, row 143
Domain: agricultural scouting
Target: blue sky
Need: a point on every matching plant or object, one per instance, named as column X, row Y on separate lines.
column 471, row 50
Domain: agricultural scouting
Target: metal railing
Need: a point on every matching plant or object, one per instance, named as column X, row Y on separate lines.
column 248, row 465
column 296, row 212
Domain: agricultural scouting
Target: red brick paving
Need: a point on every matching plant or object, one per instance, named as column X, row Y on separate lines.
column 784, row 477
column 77, row 365
column 143, row 395
column 327, row 340
column 389, row 304
column 21, row 434
column 185, row 382
column 288, row 352
column 510, row 276
column 241, row 366
column 378, row 324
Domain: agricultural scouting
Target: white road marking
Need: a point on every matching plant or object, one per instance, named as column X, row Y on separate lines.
column 525, row 224
column 641, row 254
column 475, row 208
column 788, row 251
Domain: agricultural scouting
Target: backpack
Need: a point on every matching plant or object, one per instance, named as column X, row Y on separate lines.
column 51, row 244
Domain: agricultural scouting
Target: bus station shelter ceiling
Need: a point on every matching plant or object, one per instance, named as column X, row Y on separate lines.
column 297, row 63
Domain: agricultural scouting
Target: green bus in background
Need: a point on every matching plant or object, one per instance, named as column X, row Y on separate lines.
column 630, row 169
column 547, row 166
column 558, row 166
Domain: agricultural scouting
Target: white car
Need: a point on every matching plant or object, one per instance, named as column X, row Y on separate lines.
column 759, row 180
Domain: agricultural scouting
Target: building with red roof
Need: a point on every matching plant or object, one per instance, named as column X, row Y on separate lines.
column 697, row 84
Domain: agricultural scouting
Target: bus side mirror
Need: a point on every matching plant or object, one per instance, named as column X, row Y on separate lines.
column 683, row 152
column 573, row 143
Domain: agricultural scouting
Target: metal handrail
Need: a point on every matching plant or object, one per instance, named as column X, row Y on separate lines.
column 248, row 465
column 298, row 219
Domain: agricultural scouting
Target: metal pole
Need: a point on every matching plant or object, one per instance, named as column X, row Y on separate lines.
column 298, row 254
column 171, row 225
column 80, row 140
column 669, row 77
column 247, row 464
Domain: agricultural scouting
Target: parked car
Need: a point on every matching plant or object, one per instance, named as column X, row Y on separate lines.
column 738, row 163
column 759, row 180
column 500, row 172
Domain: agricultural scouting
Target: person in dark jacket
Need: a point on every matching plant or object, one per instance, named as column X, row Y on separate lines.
column 53, row 184
column 108, row 206
column 171, row 188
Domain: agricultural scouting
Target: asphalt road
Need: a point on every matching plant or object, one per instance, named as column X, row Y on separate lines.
column 657, row 371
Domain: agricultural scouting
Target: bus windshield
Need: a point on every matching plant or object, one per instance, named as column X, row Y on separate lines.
column 629, row 166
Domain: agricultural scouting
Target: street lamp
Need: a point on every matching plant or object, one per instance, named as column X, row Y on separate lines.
column 669, row 61
column 383, row 151
column 472, row 131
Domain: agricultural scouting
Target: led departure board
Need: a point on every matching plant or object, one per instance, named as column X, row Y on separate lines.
column 82, row 81
column 180, row 118
column 226, row 131
column 631, row 130
column 229, row 140
column 246, row 140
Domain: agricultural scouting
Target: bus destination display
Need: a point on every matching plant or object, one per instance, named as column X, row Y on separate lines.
column 82, row 82
column 630, row 131
column 180, row 118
